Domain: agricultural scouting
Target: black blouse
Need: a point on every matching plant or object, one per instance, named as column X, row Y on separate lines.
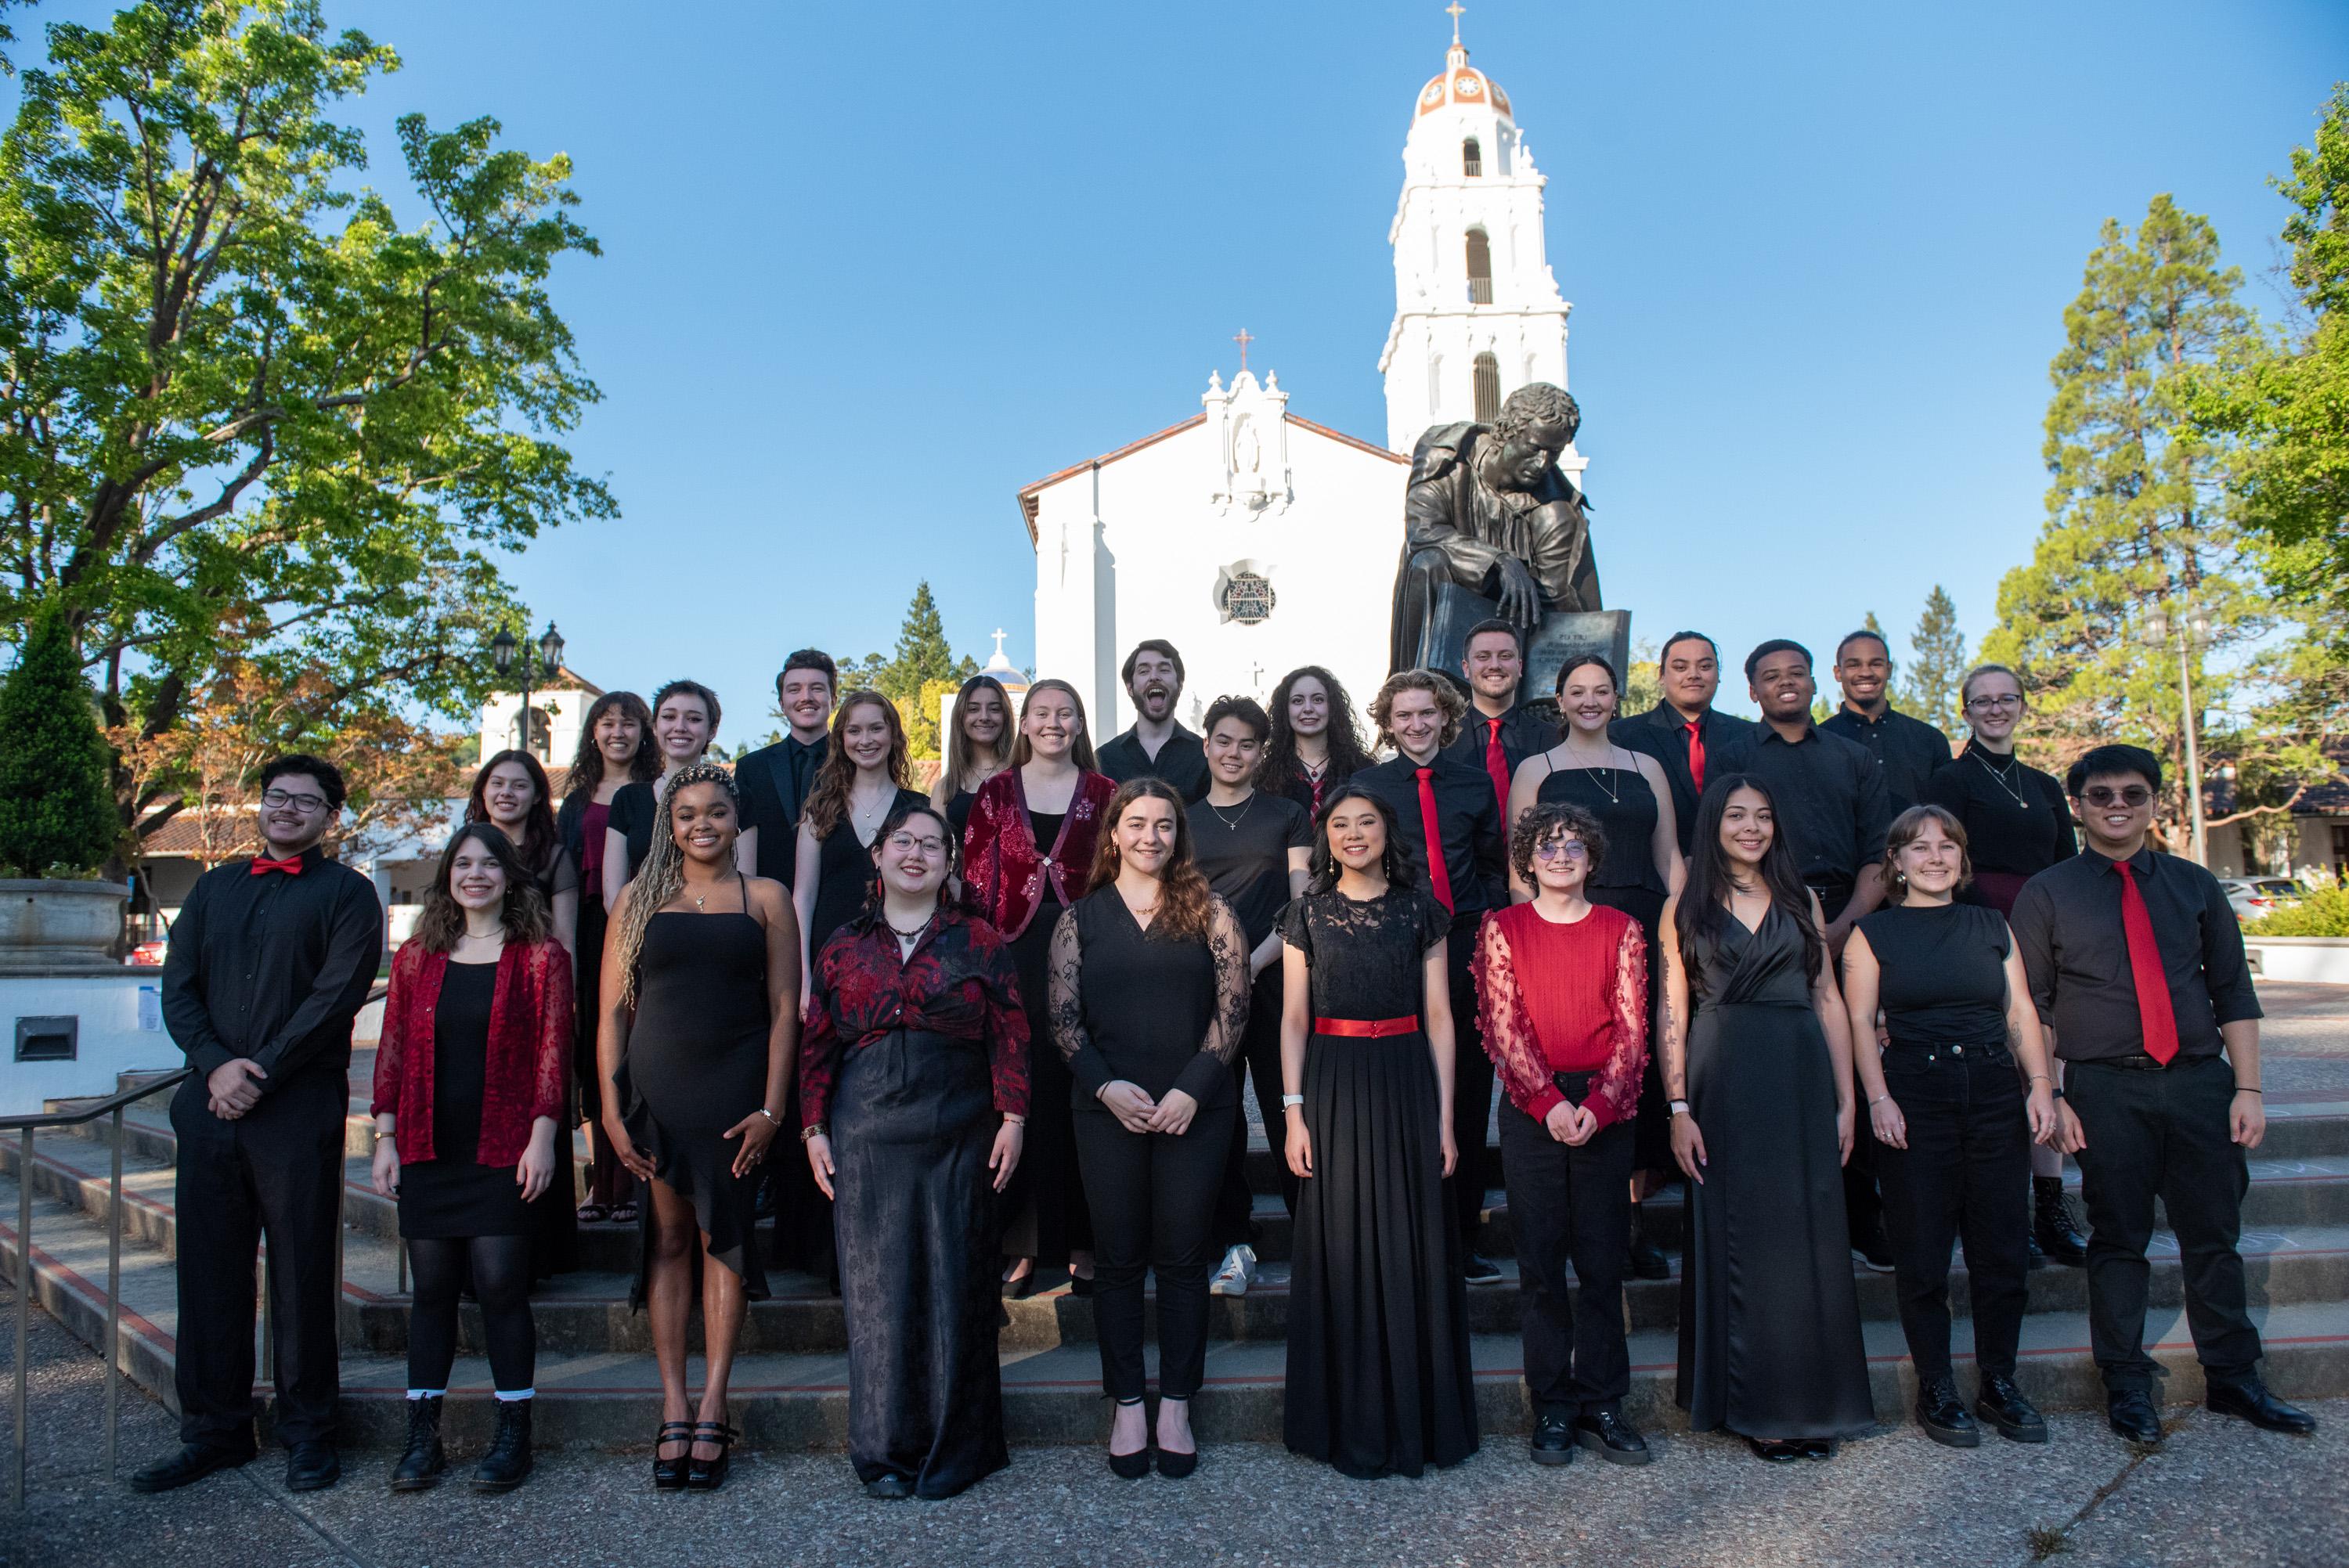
column 1943, row 976
column 1162, row 1013
column 634, row 808
column 1365, row 955
column 2017, row 821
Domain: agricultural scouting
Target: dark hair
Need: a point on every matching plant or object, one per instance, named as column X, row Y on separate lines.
column 1863, row 634
column 1578, row 660
column 1537, row 403
column 441, row 921
column 1080, row 751
column 329, row 777
column 1186, row 901
column 694, row 689
column 898, row 817
column 827, row 803
column 2106, row 761
column 586, row 774
column 809, row 659
column 1246, row 709
column 1151, row 646
column 1542, row 820
column 538, row 824
column 1714, row 647
column 1277, row 771
column 958, row 766
column 1906, row 830
column 1517, row 634
column 1702, row 911
column 1775, row 645
column 1323, row 868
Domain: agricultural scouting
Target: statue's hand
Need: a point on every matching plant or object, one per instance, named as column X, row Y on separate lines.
column 1520, row 596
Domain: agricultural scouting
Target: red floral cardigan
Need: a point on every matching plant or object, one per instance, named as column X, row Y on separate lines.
column 529, row 1052
column 1003, row 874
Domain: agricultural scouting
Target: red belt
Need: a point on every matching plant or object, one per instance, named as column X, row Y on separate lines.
column 1367, row 1028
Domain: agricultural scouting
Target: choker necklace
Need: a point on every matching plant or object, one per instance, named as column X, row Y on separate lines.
column 1233, row 822
column 2005, row 779
column 912, row 935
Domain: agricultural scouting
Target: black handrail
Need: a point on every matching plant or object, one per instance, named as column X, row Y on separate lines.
column 91, row 1113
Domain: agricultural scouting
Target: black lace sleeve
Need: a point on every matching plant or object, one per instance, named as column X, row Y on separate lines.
column 1064, row 1005
column 1295, row 929
column 1434, row 925
column 1227, row 945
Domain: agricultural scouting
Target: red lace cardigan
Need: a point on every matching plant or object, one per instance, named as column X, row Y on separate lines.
column 1003, row 874
column 529, row 1051
column 1606, row 997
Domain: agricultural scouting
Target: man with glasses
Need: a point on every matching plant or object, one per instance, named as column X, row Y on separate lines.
column 2136, row 965
column 270, row 959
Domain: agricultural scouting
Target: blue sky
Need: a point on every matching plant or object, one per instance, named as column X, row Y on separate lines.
column 867, row 269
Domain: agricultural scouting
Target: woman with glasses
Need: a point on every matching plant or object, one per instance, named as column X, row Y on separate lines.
column 2017, row 823
column 913, row 1106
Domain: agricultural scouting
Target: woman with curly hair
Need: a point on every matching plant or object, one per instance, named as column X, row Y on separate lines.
column 699, row 1024
column 861, row 784
column 1149, row 999
column 1314, row 746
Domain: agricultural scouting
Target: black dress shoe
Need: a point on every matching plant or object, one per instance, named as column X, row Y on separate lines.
column 1644, row 1259
column 1606, row 1434
column 2051, row 1226
column 1174, row 1466
column 890, row 1487
column 312, row 1466
column 1943, row 1414
column 424, row 1462
column 1775, row 1451
column 2251, row 1400
column 193, row 1462
column 1820, row 1448
column 1552, row 1440
column 2001, row 1404
column 1478, row 1269
column 2130, row 1413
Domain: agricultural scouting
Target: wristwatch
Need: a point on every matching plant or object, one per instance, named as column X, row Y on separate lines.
column 1679, row 1108
column 1289, row 1100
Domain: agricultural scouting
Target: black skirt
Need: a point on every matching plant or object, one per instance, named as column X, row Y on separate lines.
column 452, row 1200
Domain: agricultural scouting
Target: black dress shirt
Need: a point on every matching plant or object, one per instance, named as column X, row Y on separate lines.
column 1907, row 751
column 1522, row 736
column 2017, row 821
column 1181, row 761
column 272, row 968
column 2067, row 921
column 1830, row 800
column 774, row 783
column 1467, row 817
column 1662, row 733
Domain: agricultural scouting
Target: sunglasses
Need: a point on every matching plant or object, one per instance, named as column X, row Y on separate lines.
column 1571, row 850
column 2104, row 795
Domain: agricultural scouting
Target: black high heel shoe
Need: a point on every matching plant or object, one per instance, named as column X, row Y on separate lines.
column 668, row 1475
column 1172, row 1465
column 709, row 1475
column 1135, row 1465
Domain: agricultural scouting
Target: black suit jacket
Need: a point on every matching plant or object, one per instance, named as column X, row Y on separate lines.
column 1522, row 736
column 771, row 802
column 1662, row 733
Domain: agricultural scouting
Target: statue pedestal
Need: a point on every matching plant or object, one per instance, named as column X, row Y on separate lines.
column 1561, row 635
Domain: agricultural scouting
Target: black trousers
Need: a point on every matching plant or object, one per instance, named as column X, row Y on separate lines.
column 277, row 1172
column 1965, row 1174
column 1259, row 1057
column 1570, row 1204
column 1471, row 1087
column 2162, row 1134
column 1153, row 1200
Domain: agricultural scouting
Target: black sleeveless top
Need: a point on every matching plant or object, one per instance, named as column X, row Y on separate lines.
column 1625, row 804
column 1942, row 973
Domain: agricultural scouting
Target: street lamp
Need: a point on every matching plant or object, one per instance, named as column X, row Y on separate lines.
column 2187, row 630
column 549, row 660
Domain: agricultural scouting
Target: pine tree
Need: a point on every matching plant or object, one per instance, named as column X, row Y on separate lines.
column 57, row 788
column 922, row 654
column 1937, row 663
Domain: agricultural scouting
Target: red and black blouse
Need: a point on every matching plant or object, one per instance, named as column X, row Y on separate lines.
column 958, row 982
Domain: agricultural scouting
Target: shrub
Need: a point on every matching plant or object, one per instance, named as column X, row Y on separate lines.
column 2324, row 913
column 56, row 796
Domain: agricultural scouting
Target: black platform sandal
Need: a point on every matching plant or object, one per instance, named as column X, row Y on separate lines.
column 668, row 1475
column 709, row 1475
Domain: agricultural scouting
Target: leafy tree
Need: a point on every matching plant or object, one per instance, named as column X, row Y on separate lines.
column 1937, row 663
column 248, row 420
column 2136, row 510
column 1643, row 686
column 57, row 803
column 922, row 654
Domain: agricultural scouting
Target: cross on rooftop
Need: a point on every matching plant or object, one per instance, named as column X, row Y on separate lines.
column 1243, row 339
column 1455, row 11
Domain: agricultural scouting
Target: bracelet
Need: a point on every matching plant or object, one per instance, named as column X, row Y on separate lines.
column 1679, row 1108
column 1011, row 1121
column 770, row 1116
column 1289, row 1100
column 2040, row 1077
column 816, row 1130
column 1879, row 1100
column 2247, row 1088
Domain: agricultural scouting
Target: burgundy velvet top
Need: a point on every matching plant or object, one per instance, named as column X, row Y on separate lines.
column 1003, row 872
column 529, row 1050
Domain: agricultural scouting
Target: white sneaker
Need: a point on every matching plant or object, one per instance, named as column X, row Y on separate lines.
column 1237, row 1273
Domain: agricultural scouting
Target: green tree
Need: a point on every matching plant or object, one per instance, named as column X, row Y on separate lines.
column 1937, row 663
column 922, row 654
column 2136, row 510
column 57, row 799
column 249, row 418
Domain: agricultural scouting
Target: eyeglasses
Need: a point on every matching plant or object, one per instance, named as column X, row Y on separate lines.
column 1571, row 850
column 2000, row 703
column 280, row 801
column 2103, row 795
column 905, row 844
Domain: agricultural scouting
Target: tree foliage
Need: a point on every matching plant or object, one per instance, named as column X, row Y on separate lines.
column 249, row 421
column 1937, row 663
column 56, row 804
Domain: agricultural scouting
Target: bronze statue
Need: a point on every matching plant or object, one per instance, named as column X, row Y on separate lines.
column 1491, row 528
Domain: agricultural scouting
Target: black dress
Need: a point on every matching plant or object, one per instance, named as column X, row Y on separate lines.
column 635, row 807
column 958, row 810
column 1769, row 1329
column 844, row 875
column 1379, row 1378
column 696, row 1064
column 452, row 1195
column 1045, row 1213
column 1625, row 804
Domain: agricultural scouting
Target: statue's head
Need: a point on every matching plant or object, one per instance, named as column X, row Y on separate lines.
column 1536, row 423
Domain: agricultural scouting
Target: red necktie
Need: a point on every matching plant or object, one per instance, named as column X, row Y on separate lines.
column 1439, row 876
column 2152, row 1010
column 1496, row 763
column 1696, row 755
column 292, row 868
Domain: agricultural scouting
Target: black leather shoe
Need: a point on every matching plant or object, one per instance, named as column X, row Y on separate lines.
column 1606, row 1434
column 1820, row 1448
column 2052, row 1225
column 1478, row 1269
column 2035, row 1258
column 312, row 1466
column 1943, row 1414
column 2252, row 1401
column 506, row 1464
column 193, row 1462
column 890, row 1487
column 425, row 1463
column 1644, row 1259
column 1775, row 1451
column 710, row 1474
column 2001, row 1404
column 1552, row 1440
column 2130, row 1413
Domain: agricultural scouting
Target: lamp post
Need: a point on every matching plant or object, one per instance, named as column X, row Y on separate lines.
column 2186, row 629
column 548, row 660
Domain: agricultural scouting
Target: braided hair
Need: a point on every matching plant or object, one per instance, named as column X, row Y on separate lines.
column 662, row 876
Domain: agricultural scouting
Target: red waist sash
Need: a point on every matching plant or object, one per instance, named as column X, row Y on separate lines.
column 1367, row 1028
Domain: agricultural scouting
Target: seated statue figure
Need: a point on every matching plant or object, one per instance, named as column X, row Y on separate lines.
column 1491, row 528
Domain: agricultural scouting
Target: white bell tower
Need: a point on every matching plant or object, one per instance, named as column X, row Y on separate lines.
column 1477, row 313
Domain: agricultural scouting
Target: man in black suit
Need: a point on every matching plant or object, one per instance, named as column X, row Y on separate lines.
column 1498, row 733
column 1685, row 731
column 775, row 781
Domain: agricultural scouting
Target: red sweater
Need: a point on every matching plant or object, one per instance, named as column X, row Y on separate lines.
column 1003, row 874
column 1564, row 998
column 529, row 1051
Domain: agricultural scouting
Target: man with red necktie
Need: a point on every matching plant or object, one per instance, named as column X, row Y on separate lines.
column 1450, row 824
column 2136, row 964
column 271, row 960
column 1683, row 731
column 1497, row 732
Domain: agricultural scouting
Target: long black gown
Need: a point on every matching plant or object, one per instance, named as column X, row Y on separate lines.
column 1379, row 1378
column 1769, row 1330
column 1046, row 1215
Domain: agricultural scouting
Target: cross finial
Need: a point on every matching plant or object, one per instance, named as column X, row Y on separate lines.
column 1454, row 10
column 998, row 643
column 1243, row 339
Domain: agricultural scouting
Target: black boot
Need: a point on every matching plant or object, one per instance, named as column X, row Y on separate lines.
column 2052, row 1225
column 508, row 1461
column 425, row 1463
column 1645, row 1260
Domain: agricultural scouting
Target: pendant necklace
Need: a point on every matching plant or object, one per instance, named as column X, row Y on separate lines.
column 1233, row 822
column 1614, row 794
column 912, row 935
column 2005, row 779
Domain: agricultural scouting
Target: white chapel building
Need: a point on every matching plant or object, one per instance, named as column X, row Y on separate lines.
column 1255, row 539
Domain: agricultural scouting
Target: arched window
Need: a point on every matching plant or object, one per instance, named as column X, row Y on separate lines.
column 1480, row 268
column 1472, row 158
column 1488, row 388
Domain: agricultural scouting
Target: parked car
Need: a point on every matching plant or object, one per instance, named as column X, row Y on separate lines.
column 2253, row 898
column 148, row 954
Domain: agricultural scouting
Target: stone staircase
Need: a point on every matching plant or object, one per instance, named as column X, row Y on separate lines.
column 598, row 1386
